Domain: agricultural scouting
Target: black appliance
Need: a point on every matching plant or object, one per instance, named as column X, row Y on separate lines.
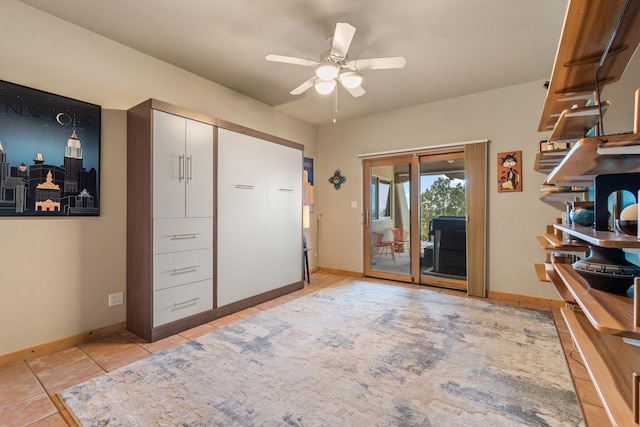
column 449, row 245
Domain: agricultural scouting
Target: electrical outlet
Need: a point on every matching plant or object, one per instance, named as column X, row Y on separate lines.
column 116, row 299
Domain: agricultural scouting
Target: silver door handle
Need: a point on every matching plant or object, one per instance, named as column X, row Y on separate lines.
column 245, row 187
column 184, row 236
column 189, row 168
column 180, row 168
column 184, row 269
column 191, row 301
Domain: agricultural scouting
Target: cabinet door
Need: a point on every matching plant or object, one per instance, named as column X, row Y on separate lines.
column 168, row 165
column 241, row 216
column 284, row 216
column 199, row 169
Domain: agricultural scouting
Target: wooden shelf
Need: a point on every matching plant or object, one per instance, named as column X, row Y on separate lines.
column 605, row 239
column 611, row 364
column 583, row 162
column 608, row 313
column 558, row 243
column 560, row 287
column 587, row 30
column 541, row 272
column 547, row 160
column 574, row 123
column 560, row 198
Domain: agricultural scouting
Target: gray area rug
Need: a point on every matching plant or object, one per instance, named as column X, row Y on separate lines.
column 359, row 354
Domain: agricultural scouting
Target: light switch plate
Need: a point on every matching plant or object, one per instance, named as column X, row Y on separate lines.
column 354, row 203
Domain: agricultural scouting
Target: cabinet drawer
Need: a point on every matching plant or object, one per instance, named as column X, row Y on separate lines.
column 184, row 234
column 182, row 301
column 178, row 268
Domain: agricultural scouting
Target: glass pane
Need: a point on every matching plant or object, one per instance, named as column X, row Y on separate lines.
column 390, row 219
column 443, row 219
column 384, row 190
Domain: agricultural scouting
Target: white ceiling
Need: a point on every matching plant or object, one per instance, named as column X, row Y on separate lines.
column 452, row 47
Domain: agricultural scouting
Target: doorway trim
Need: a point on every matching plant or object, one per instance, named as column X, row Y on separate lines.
column 475, row 154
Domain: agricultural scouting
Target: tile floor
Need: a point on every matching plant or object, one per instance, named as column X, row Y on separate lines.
column 28, row 389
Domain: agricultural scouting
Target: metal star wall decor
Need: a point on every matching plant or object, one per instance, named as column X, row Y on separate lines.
column 337, row 179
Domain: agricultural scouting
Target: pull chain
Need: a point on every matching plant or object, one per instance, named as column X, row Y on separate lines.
column 335, row 104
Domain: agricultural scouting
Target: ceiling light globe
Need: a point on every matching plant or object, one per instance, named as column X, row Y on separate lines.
column 324, row 87
column 327, row 70
column 351, row 79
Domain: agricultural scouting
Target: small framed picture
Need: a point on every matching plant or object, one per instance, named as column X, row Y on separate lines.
column 509, row 171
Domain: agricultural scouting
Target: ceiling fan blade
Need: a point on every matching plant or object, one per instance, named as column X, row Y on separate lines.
column 377, row 63
column 291, row 60
column 355, row 91
column 303, row 87
column 342, row 39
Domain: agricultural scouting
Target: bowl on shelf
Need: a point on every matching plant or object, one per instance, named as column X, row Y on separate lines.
column 583, row 215
column 607, row 269
column 627, row 227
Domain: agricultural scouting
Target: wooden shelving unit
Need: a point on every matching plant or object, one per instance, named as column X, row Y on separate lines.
column 547, row 160
column 574, row 123
column 598, row 39
column 554, row 243
column 605, row 239
column 608, row 313
column 611, row 365
column 586, row 33
column 584, row 161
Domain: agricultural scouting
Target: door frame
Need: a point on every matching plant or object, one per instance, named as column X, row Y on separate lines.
column 475, row 156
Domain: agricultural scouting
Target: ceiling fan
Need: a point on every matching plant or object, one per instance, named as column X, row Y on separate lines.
column 334, row 65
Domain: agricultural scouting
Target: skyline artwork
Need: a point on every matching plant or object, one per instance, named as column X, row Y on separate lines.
column 49, row 154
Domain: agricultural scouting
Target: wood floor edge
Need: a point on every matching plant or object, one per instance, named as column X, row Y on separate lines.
column 57, row 345
column 340, row 272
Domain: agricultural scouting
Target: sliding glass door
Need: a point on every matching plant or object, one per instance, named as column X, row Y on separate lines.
column 388, row 218
column 424, row 219
column 443, row 258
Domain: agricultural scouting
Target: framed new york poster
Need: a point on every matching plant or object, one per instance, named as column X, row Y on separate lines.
column 49, row 154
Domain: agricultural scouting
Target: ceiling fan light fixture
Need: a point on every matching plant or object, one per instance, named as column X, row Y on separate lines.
column 325, row 87
column 351, row 79
column 327, row 71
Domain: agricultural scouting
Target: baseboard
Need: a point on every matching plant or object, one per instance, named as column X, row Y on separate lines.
column 525, row 300
column 57, row 345
column 341, row 272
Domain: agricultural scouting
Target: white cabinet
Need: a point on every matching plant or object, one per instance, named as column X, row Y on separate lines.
column 283, row 215
column 183, row 167
column 170, row 227
column 259, row 216
column 208, row 232
column 183, row 216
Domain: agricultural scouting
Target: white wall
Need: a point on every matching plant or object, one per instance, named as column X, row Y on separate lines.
column 55, row 274
column 42, row 299
column 509, row 118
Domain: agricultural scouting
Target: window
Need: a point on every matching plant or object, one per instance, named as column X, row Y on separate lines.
column 380, row 198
